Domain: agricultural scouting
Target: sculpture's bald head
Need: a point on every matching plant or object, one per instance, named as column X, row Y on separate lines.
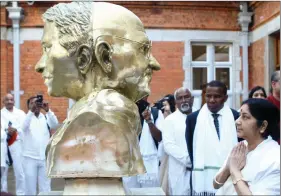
column 117, row 20
column 121, row 35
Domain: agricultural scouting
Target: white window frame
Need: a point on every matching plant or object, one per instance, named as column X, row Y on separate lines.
column 210, row 63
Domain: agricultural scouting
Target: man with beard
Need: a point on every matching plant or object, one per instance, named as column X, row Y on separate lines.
column 210, row 136
column 11, row 121
column 179, row 164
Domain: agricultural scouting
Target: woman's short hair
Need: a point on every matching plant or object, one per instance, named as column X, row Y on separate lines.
column 261, row 110
column 257, row 88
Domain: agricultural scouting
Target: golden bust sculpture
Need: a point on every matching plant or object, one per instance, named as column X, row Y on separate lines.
column 99, row 55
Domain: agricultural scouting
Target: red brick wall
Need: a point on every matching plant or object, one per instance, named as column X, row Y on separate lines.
column 256, row 63
column 264, row 11
column 172, row 15
column 171, row 75
column 3, row 16
column 4, row 73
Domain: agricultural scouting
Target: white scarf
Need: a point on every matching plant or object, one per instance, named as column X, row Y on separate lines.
column 210, row 152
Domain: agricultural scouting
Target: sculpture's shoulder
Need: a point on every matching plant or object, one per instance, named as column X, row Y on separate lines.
column 111, row 97
column 99, row 140
column 109, row 103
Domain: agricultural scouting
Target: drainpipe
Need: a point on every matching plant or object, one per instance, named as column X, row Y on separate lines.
column 244, row 19
column 15, row 16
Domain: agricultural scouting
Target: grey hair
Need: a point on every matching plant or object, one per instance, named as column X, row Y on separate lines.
column 275, row 76
column 73, row 22
column 180, row 89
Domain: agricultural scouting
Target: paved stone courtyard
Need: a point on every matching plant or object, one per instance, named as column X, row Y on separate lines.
column 57, row 184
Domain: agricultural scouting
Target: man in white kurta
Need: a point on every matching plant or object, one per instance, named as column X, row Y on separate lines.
column 36, row 138
column 15, row 116
column 175, row 144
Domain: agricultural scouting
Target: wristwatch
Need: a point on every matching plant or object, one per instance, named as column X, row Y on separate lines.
column 239, row 179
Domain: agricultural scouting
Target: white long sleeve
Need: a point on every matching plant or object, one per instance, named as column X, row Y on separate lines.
column 27, row 120
column 174, row 148
column 36, row 134
column 52, row 119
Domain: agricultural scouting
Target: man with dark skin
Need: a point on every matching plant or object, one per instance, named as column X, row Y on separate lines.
column 155, row 132
column 207, row 130
column 11, row 121
column 36, row 129
column 151, row 121
column 35, row 107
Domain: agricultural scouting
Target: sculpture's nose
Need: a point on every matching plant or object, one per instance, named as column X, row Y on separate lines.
column 154, row 64
column 40, row 66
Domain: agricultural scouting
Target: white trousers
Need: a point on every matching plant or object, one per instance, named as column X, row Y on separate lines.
column 35, row 170
column 4, row 174
column 16, row 153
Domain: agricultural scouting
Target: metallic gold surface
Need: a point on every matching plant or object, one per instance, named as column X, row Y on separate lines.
column 99, row 55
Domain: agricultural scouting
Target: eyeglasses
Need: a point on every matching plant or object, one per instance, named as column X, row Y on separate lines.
column 145, row 48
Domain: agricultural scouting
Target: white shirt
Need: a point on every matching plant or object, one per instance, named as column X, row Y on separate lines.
column 175, row 146
column 4, row 150
column 16, row 117
column 262, row 171
column 36, row 134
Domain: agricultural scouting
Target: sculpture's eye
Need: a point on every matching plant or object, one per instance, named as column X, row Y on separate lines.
column 46, row 49
column 145, row 49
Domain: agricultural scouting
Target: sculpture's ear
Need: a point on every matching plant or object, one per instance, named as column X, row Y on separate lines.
column 85, row 58
column 103, row 53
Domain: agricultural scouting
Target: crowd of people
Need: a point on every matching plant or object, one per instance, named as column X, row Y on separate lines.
column 215, row 150
column 24, row 138
column 212, row 150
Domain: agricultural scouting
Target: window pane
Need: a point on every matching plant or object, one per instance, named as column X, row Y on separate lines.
column 199, row 77
column 199, row 53
column 222, row 53
column 222, row 74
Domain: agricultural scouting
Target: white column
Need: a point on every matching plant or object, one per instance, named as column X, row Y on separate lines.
column 244, row 19
column 15, row 16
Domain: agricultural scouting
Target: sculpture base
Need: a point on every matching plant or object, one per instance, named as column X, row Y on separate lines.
column 133, row 191
column 101, row 186
column 93, row 186
column 90, row 186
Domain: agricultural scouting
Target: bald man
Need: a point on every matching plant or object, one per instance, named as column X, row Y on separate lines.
column 175, row 145
column 11, row 121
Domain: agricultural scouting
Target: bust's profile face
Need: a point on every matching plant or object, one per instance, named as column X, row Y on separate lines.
column 58, row 68
column 108, row 50
column 132, row 61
